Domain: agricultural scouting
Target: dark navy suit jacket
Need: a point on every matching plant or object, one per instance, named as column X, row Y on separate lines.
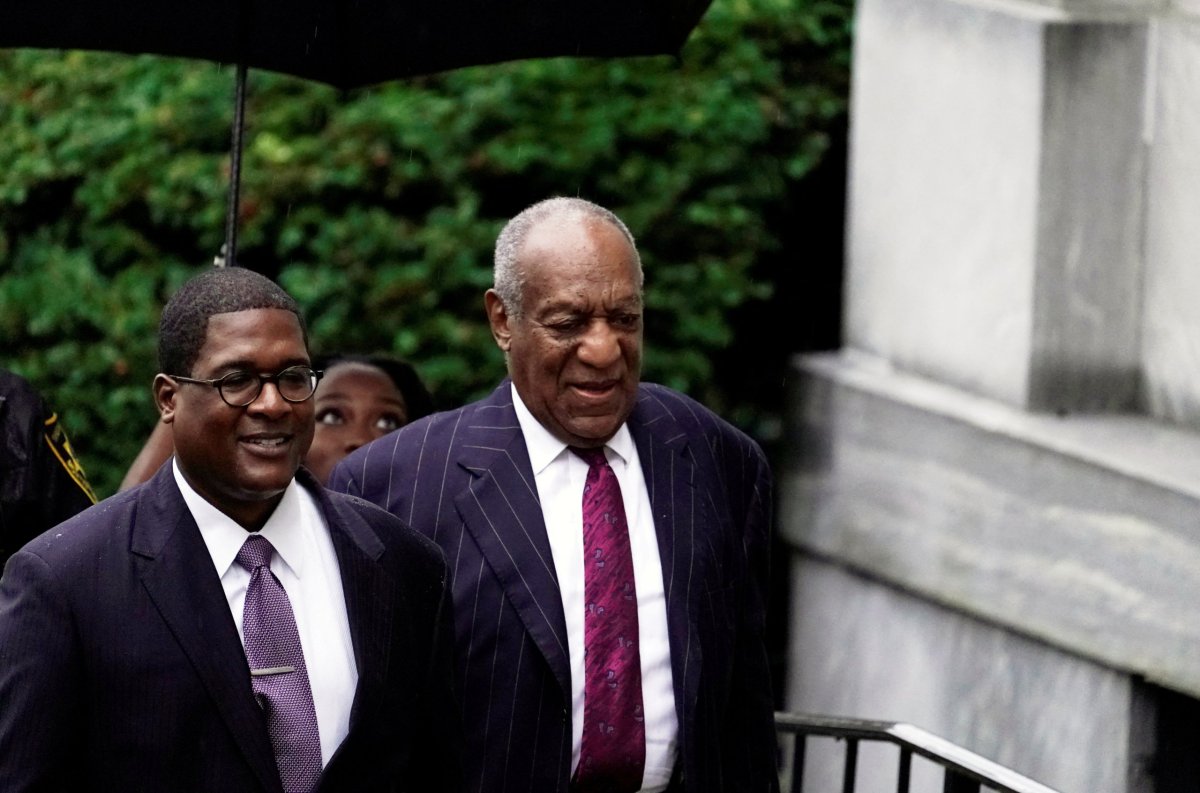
column 464, row 479
column 121, row 668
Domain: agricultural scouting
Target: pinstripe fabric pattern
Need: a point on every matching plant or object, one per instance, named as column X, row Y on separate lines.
column 464, row 479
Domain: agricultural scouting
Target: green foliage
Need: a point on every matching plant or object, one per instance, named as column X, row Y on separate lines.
column 378, row 208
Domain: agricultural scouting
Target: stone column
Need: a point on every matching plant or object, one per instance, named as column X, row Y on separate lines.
column 995, row 199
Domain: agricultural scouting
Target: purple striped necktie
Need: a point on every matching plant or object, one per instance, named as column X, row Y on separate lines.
column 612, row 754
column 278, row 672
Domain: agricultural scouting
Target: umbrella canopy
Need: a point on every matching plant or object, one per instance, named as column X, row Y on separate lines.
column 353, row 43
column 349, row 43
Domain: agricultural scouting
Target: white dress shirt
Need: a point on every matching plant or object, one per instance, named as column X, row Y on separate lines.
column 560, row 476
column 307, row 567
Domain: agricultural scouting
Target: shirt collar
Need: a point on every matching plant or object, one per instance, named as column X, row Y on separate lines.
column 544, row 448
column 224, row 537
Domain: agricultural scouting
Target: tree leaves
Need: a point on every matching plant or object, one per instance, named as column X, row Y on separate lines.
column 378, row 208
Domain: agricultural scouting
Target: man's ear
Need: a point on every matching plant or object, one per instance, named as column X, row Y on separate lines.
column 166, row 391
column 498, row 318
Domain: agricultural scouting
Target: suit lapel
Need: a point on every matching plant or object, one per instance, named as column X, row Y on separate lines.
column 669, row 469
column 177, row 572
column 370, row 598
column 503, row 514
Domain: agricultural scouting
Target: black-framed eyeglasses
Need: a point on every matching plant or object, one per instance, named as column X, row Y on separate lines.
column 239, row 389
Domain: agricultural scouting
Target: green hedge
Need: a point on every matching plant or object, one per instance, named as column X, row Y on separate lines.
column 378, row 208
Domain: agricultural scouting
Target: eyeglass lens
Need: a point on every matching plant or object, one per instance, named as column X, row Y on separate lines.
column 295, row 384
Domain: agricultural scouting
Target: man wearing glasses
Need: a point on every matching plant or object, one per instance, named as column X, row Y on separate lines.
column 229, row 625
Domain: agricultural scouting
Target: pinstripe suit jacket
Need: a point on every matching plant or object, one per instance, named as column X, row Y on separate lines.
column 464, row 479
column 121, row 668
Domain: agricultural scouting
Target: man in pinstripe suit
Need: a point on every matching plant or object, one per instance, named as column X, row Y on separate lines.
column 497, row 486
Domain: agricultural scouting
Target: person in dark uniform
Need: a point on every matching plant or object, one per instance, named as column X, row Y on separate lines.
column 41, row 481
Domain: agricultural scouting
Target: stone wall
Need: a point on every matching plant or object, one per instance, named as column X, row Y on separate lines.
column 992, row 492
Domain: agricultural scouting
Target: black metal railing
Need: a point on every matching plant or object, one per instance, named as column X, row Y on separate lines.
column 963, row 771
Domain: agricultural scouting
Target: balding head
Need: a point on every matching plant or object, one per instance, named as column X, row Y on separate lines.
column 508, row 275
column 569, row 319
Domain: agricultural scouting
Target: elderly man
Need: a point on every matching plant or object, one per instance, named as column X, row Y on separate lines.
column 228, row 626
column 608, row 539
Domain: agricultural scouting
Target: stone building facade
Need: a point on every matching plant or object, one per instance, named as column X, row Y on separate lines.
column 991, row 493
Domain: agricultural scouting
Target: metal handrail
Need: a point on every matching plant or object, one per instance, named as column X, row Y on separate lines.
column 965, row 771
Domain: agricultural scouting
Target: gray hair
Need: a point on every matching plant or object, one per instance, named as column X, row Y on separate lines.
column 507, row 277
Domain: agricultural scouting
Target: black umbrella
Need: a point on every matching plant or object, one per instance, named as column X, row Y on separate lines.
column 350, row 43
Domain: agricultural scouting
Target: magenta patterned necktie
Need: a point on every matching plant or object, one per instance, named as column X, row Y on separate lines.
column 277, row 670
column 613, row 751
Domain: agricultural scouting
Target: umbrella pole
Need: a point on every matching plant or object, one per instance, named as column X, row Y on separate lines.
column 229, row 251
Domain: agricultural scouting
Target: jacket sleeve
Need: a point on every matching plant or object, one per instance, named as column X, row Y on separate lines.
column 66, row 491
column 750, row 743
column 41, row 480
column 39, row 679
column 438, row 751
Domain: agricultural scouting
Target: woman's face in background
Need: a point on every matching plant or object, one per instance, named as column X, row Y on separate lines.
column 355, row 404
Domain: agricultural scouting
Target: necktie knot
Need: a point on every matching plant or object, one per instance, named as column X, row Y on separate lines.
column 256, row 552
column 593, row 457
